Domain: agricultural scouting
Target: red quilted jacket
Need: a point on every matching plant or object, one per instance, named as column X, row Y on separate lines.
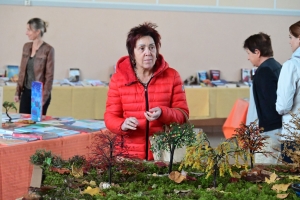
column 127, row 97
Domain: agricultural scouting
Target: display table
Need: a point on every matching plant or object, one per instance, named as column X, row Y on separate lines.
column 89, row 102
column 16, row 170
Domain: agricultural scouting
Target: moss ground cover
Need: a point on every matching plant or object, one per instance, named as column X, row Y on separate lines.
column 144, row 180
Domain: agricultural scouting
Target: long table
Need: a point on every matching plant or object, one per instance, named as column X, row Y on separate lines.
column 16, row 170
column 89, row 102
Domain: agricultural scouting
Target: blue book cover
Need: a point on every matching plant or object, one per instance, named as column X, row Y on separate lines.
column 36, row 101
column 61, row 132
column 30, row 128
column 12, row 71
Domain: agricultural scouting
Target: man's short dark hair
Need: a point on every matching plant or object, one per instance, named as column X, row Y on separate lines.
column 261, row 42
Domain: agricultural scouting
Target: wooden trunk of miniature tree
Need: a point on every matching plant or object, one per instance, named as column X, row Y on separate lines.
column 172, row 150
column 251, row 158
column 110, row 163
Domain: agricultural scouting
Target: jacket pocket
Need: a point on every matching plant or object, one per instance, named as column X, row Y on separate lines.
column 40, row 61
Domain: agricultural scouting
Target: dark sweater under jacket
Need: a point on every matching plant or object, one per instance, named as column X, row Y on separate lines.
column 264, row 92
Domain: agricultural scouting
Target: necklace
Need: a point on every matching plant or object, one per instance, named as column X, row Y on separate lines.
column 143, row 83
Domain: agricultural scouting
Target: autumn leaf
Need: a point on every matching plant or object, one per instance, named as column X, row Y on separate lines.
column 294, row 177
column 272, row 178
column 282, row 196
column 60, row 170
column 190, row 178
column 235, row 175
column 176, row 176
column 77, row 172
column 281, row 187
column 160, row 164
column 92, row 183
column 91, row 191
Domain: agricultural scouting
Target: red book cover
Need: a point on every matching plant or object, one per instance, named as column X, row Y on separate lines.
column 27, row 135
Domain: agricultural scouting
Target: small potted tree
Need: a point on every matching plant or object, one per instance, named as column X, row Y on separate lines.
column 202, row 156
column 250, row 139
column 9, row 106
column 107, row 149
column 174, row 136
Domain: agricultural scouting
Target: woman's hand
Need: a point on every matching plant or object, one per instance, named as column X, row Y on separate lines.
column 17, row 99
column 153, row 114
column 130, row 123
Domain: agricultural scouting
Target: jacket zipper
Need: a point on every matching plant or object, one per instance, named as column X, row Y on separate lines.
column 147, row 122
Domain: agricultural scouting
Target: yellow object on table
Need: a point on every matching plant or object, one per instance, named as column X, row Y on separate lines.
column 89, row 102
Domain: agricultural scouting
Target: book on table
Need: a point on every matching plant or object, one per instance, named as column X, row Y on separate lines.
column 12, row 72
column 30, row 128
column 36, row 101
column 61, row 132
column 27, row 139
column 10, row 141
column 90, row 124
column 37, row 136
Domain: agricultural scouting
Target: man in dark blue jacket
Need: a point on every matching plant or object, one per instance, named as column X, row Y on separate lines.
column 264, row 87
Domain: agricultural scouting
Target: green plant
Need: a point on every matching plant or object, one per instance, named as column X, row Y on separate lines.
column 77, row 161
column 42, row 158
column 9, row 105
column 174, row 136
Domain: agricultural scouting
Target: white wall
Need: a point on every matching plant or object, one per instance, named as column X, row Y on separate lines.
column 93, row 39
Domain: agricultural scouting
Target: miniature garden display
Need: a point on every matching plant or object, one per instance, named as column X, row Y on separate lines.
column 205, row 172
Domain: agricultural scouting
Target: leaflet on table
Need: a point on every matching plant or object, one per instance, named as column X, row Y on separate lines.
column 90, row 124
column 61, row 132
column 38, row 136
column 77, row 128
column 27, row 139
column 8, row 131
column 30, row 128
column 58, row 121
column 10, row 141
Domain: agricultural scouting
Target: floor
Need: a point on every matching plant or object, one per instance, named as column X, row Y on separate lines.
column 212, row 128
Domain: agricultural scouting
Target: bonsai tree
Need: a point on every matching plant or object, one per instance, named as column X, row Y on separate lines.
column 174, row 136
column 250, row 139
column 291, row 142
column 107, row 149
column 200, row 155
column 9, row 105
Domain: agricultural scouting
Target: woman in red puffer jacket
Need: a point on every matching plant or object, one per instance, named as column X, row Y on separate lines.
column 144, row 92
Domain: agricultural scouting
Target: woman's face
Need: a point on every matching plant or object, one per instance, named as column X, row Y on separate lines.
column 31, row 33
column 145, row 52
column 294, row 42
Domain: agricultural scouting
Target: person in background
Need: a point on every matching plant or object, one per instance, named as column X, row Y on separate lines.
column 263, row 93
column 144, row 92
column 288, row 92
column 37, row 64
